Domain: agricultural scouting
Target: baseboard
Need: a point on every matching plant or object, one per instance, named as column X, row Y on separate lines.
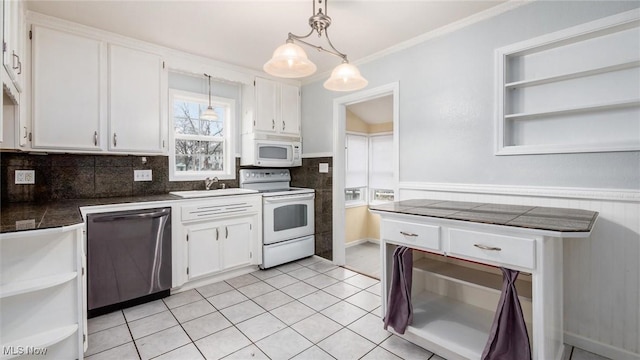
column 361, row 241
column 599, row 348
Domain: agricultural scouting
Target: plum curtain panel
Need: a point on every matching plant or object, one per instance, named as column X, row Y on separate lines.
column 508, row 338
column 399, row 309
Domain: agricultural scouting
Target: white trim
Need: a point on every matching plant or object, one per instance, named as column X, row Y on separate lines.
column 317, row 155
column 443, row 30
column 623, row 195
column 599, row 348
column 339, row 132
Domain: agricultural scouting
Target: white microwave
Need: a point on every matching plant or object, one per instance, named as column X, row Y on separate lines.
column 271, row 151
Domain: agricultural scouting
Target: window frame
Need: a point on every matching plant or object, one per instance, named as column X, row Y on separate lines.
column 359, row 202
column 229, row 159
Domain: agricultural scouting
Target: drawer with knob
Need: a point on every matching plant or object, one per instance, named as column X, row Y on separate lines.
column 497, row 249
column 421, row 236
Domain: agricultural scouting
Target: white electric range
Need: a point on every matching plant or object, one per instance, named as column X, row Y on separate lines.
column 288, row 215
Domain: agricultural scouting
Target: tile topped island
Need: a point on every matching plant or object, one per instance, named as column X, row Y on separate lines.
column 458, row 250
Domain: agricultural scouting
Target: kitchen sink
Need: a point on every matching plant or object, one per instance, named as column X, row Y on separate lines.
column 209, row 193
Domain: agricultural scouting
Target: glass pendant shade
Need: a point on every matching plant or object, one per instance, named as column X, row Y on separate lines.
column 209, row 114
column 345, row 77
column 289, row 61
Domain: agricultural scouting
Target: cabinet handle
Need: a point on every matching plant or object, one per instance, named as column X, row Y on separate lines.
column 95, row 138
column 283, row 125
column 408, row 234
column 115, row 140
column 217, row 234
column 226, row 232
column 486, row 247
column 13, row 61
column 273, row 124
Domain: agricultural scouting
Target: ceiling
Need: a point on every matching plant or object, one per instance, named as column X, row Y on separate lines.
column 376, row 111
column 245, row 33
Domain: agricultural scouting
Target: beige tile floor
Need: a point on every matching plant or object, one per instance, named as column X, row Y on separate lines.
column 309, row 309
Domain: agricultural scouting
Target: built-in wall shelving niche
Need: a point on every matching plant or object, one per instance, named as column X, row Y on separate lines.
column 575, row 90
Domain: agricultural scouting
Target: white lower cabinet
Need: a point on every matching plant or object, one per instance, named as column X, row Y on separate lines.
column 42, row 306
column 220, row 235
column 219, row 245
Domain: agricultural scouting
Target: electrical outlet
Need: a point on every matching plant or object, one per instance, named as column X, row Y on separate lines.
column 25, row 176
column 26, row 224
column 142, row 175
column 324, row 167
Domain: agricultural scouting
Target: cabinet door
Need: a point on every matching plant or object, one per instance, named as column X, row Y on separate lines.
column 135, row 107
column 266, row 106
column 290, row 109
column 68, row 90
column 236, row 250
column 13, row 40
column 204, row 249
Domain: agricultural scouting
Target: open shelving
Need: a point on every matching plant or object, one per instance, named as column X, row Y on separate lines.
column 41, row 340
column 471, row 277
column 571, row 86
column 27, row 286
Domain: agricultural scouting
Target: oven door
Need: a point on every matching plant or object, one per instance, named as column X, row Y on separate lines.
column 288, row 217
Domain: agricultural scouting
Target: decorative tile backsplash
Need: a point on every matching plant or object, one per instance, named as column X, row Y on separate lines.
column 308, row 176
column 65, row 176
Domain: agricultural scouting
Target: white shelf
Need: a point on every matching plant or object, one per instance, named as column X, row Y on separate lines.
column 575, row 110
column 26, row 286
column 574, row 75
column 41, row 340
column 454, row 325
column 471, row 277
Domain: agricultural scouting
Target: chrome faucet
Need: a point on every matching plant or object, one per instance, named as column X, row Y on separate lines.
column 208, row 182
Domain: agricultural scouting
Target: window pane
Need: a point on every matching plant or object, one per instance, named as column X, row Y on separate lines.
column 186, row 119
column 185, row 163
column 353, row 194
column 383, row 195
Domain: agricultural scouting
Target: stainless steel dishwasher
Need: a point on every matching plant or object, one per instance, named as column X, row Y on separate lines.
column 128, row 258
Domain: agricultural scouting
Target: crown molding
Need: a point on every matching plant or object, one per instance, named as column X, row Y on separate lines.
column 443, row 30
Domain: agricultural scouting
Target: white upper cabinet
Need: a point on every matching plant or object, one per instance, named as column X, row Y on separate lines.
column 69, row 87
column 277, row 108
column 13, row 40
column 290, row 109
column 92, row 94
column 266, row 105
column 136, row 109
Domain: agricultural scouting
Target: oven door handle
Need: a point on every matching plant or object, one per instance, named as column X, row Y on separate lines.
column 288, row 198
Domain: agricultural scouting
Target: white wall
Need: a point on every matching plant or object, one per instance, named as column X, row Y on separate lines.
column 446, row 131
column 447, row 106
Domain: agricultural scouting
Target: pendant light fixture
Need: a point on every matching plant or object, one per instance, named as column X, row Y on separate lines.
column 209, row 113
column 290, row 60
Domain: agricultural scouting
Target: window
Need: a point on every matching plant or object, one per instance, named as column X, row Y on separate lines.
column 357, row 151
column 200, row 148
column 381, row 167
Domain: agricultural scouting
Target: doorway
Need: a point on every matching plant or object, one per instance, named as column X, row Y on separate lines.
column 365, row 172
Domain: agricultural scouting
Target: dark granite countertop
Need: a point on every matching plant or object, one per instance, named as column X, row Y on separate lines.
column 31, row 216
column 530, row 217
